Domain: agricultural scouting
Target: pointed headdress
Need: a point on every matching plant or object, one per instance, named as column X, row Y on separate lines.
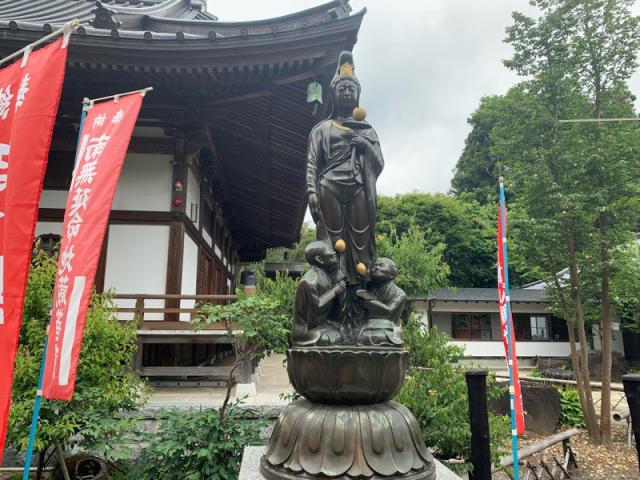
column 345, row 70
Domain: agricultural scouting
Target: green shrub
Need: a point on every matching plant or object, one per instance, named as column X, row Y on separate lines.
column 198, row 445
column 105, row 386
column 436, row 392
column 570, row 408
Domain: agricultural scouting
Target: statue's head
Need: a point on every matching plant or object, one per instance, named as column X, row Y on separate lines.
column 383, row 269
column 321, row 255
column 345, row 87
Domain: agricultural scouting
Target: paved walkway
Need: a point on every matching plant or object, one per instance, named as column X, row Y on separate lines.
column 272, row 381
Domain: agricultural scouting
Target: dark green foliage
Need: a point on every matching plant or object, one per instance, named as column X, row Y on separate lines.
column 436, row 393
column 462, row 227
column 105, row 388
column 265, row 317
column 570, row 409
column 420, row 265
column 476, row 172
column 198, row 445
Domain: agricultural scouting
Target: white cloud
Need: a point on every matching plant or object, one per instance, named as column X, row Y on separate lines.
column 424, row 65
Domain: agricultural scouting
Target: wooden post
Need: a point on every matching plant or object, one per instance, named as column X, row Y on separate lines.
column 479, row 419
column 139, row 313
column 632, row 391
column 179, row 185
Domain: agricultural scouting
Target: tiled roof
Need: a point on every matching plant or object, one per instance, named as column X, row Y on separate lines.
column 155, row 19
column 61, row 11
column 485, row 295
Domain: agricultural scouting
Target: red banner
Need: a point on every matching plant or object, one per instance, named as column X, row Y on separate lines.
column 29, row 95
column 505, row 315
column 104, row 139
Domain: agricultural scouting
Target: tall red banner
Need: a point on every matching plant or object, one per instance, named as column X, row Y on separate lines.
column 29, row 95
column 104, row 139
column 505, row 316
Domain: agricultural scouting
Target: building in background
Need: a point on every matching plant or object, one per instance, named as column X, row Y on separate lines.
column 215, row 172
column 471, row 317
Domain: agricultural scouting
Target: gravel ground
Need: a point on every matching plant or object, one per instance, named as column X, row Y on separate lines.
column 595, row 462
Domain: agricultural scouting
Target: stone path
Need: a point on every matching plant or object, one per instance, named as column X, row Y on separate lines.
column 272, row 380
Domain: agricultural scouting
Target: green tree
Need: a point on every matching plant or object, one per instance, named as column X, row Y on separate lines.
column 476, row 172
column 465, row 228
column 258, row 324
column 421, row 268
column 105, row 387
column 576, row 183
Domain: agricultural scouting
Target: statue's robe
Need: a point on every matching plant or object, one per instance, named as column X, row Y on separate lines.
column 345, row 182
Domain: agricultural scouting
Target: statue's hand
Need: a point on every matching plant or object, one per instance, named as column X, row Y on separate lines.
column 314, row 207
column 360, row 143
column 340, row 287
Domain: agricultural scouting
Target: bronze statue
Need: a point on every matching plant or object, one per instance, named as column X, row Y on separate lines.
column 343, row 164
column 318, row 302
column 347, row 359
column 384, row 302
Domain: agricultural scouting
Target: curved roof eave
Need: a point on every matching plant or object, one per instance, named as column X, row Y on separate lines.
column 29, row 31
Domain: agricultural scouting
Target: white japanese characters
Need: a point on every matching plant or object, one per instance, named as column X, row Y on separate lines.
column 5, row 101
column 22, row 91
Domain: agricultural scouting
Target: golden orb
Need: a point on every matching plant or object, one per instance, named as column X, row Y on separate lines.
column 340, row 246
column 359, row 114
column 361, row 268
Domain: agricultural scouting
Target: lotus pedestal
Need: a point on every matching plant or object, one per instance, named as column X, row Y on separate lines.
column 347, row 426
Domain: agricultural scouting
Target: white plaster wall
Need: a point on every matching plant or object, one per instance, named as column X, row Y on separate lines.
column 54, row 199
column 137, row 263
column 189, row 274
column 145, row 183
column 193, row 197
column 207, row 237
column 524, row 349
column 45, row 228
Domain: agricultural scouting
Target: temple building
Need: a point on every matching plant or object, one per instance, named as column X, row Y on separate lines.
column 215, row 171
column 470, row 316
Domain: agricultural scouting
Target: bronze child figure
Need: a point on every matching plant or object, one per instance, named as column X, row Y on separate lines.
column 384, row 302
column 319, row 301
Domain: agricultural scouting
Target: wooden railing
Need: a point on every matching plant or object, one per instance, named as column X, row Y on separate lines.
column 172, row 308
column 164, row 327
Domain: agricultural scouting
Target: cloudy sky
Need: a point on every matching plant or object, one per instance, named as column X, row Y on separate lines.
column 424, row 65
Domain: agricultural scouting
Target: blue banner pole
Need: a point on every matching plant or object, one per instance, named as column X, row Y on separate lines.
column 36, row 413
column 36, row 408
column 512, row 387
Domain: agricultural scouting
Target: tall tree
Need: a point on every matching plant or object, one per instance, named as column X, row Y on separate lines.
column 465, row 228
column 577, row 183
column 476, row 172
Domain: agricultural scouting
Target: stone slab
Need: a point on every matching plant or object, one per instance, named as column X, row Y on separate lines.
column 250, row 467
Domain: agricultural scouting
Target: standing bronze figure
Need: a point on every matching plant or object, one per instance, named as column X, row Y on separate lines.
column 343, row 164
column 347, row 359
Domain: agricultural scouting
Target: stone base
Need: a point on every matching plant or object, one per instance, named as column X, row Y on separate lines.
column 345, row 442
column 250, row 467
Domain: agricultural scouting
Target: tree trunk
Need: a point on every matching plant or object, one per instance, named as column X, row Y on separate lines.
column 62, row 462
column 605, row 405
column 588, row 410
column 41, row 462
